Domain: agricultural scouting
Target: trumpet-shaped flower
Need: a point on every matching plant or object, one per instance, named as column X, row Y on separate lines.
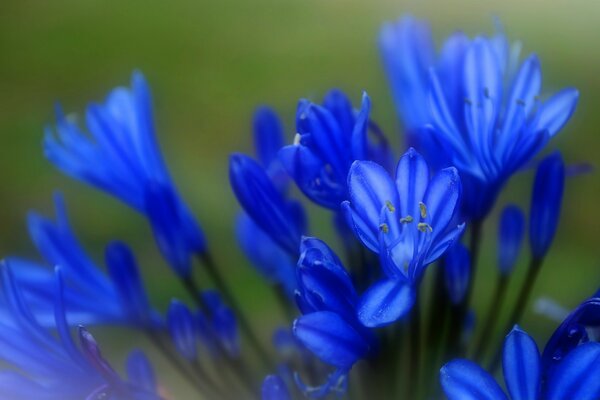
column 574, row 377
column 410, row 223
column 122, row 158
column 57, row 368
column 485, row 132
column 330, row 137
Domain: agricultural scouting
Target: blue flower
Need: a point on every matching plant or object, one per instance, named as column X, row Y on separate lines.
column 329, row 327
column 546, row 202
column 330, row 137
column 56, row 368
column 122, row 158
column 409, row 223
column 485, row 133
column 575, row 377
column 182, row 329
column 510, row 236
column 218, row 329
column 122, row 294
column 282, row 219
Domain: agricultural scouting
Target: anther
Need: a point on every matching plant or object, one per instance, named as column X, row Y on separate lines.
column 423, row 227
column 486, row 93
column 468, row 101
column 406, row 220
column 297, row 139
column 384, row 228
column 520, row 102
column 390, row 206
column 423, row 209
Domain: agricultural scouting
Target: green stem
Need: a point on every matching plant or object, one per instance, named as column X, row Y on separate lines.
column 491, row 317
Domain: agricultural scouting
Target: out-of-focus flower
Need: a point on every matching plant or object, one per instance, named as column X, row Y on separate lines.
column 122, row 158
column 510, row 237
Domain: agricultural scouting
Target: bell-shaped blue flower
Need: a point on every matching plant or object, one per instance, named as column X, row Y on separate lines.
column 283, row 220
column 330, row 137
column 329, row 327
column 573, row 378
column 123, row 297
column 546, row 202
column 410, row 223
column 121, row 157
column 457, row 272
column 54, row 367
column 510, row 237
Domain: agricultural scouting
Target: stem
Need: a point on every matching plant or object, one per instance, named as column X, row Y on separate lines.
column 491, row 316
column 415, row 351
column 175, row 362
column 519, row 307
column 237, row 366
column 245, row 326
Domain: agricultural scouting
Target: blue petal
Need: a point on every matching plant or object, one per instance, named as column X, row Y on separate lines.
column 521, row 365
column 576, row 377
column 457, row 271
column 465, row 380
column 330, row 338
column 268, row 135
column 556, row 111
column 370, row 188
column 510, row 237
column 546, row 203
column 273, row 388
column 140, row 371
column 361, row 228
column 359, row 138
column 442, row 199
column 339, row 105
column 385, row 302
column 412, row 179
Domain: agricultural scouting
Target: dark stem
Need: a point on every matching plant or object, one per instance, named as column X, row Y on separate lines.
column 520, row 305
column 154, row 337
column 237, row 366
column 415, row 351
column 245, row 326
column 491, row 317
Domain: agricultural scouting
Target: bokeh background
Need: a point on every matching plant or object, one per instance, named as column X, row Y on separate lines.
column 210, row 63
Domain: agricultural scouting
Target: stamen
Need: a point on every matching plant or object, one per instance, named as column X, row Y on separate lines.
column 297, row 139
column 423, row 227
column 384, row 228
column 406, row 220
column 520, row 102
column 468, row 101
column 423, row 209
column 390, row 206
column 486, row 93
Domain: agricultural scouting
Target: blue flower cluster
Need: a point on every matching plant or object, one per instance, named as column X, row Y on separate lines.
column 407, row 236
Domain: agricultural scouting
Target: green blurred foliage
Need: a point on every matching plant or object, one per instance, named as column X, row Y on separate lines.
column 210, row 63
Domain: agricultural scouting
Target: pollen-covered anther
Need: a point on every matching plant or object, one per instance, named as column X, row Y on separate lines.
column 423, row 210
column 423, row 227
column 390, row 206
column 406, row 220
column 384, row 228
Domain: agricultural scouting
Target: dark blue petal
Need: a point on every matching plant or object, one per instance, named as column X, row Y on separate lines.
column 273, row 388
column 92, row 352
column 510, row 237
column 140, row 371
column 182, row 329
column 264, row 203
column 359, row 145
column 268, row 135
column 556, row 111
column 330, row 338
column 465, row 380
column 371, row 188
column 124, row 272
column 521, row 365
column 412, row 178
column 457, row 271
column 576, row 377
column 339, row 105
column 385, row 302
column 546, row 202
column 361, row 228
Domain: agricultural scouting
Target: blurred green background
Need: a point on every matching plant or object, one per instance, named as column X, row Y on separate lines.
column 210, row 63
